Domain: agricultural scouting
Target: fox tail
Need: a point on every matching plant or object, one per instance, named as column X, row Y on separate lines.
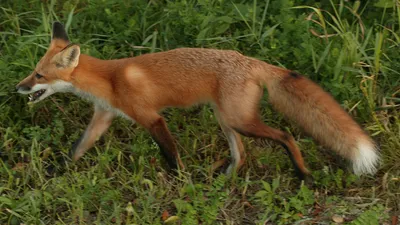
column 318, row 114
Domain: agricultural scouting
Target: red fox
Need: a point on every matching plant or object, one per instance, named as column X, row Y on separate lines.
column 139, row 88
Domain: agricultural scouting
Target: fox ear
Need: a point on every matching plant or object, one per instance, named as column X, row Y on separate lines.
column 59, row 32
column 68, row 57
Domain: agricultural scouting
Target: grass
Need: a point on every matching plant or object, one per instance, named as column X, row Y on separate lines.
column 349, row 48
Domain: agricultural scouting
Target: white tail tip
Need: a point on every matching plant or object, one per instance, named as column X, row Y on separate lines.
column 366, row 158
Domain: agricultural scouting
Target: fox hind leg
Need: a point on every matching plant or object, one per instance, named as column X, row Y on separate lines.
column 258, row 129
column 239, row 110
column 235, row 146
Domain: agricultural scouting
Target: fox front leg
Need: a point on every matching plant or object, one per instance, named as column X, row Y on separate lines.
column 100, row 122
column 166, row 143
column 158, row 130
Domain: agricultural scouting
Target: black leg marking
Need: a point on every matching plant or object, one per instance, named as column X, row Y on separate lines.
column 297, row 170
column 166, row 154
column 75, row 146
column 164, row 140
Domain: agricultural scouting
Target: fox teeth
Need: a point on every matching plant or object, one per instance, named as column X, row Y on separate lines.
column 36, row 95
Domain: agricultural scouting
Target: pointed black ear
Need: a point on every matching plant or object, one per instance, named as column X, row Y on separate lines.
column 59, row 32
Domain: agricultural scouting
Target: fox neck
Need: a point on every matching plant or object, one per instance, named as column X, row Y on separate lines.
column 93, row 77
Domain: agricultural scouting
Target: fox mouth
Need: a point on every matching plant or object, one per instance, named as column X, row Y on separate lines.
column 36, row 95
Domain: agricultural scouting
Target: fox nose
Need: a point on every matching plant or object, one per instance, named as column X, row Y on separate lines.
column 22, row 88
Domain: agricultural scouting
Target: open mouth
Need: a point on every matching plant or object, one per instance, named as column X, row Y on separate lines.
column 36, row 95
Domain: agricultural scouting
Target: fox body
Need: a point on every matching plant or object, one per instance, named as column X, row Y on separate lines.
column 139, row 88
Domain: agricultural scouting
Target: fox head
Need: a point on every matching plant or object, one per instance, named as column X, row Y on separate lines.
column 53, row 72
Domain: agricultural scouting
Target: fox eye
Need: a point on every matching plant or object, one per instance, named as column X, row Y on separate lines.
column 38, row 76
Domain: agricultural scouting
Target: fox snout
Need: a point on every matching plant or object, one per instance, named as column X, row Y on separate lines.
column 23, row 88
column 35, row 91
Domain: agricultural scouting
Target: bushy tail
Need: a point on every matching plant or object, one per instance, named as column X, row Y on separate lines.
column 321, row 116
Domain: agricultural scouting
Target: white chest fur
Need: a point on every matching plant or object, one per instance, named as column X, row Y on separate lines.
column 100, row 103
column 63, row 86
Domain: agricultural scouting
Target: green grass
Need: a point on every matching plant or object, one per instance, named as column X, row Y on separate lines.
column 351, row 48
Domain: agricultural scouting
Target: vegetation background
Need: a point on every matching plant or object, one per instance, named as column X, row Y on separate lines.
column 351, row 48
